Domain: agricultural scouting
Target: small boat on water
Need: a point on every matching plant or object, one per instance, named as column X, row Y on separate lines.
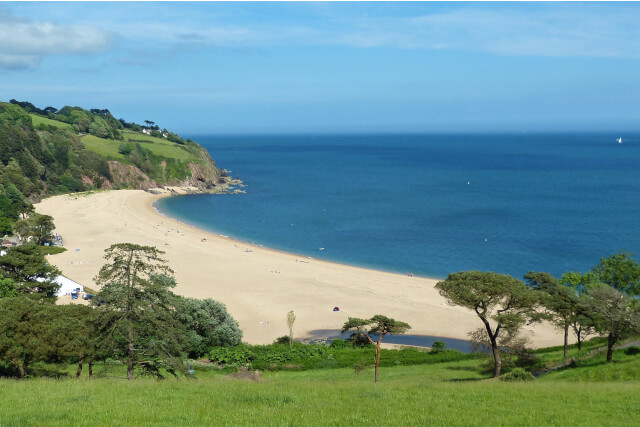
column 619, row 140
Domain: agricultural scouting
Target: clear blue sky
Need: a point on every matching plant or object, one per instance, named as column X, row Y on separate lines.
column 330, row 67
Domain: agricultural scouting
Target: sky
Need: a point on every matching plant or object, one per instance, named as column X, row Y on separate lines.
column 246, row 68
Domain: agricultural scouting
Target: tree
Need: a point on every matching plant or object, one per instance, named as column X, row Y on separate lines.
column 72, row 334
column 495, row 297
column 32, row 274
column 291, row 318
column 559, row 301
column 379, row 325
column 208, row 325
column 614, row 314
column 620, row 271
column 41, row 227
column 24, row 324
column 22, row 229
column 581, row 321
column 6, row 228
column 7, row 288
column 135, row 310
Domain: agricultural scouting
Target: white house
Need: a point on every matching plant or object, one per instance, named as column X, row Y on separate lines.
column 67, row 286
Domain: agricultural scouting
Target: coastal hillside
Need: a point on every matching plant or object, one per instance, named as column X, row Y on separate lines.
column 49, row 151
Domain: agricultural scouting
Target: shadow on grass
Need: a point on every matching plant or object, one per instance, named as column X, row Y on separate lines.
column 465, row 380
column 47, row 372
column 462, row 368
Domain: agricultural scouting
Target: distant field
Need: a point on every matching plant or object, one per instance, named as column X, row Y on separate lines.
column 37, row 120
column 158, row 146
column 444, row 394
column 105, row 147
column 139, row 137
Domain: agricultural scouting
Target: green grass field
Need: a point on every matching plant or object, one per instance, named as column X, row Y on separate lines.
column 455, row 393
column 105, row 147
column 37, row 120
column 158, row 146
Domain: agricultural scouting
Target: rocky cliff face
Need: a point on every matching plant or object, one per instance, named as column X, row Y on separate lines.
column 206, row 177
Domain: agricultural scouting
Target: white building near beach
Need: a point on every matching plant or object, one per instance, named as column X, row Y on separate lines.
column 67, row 286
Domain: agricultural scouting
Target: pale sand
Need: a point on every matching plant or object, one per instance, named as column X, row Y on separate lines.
column 259, row 286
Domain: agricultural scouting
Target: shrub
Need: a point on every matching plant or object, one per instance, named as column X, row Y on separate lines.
column 340, row 344
column 125, row 148
column 282, row 340
column 632, row 351
column 238, row 355
column 437, row 347
column 518, row 374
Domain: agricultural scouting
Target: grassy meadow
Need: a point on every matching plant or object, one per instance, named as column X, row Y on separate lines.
column 37, row 120
column 161, row 147
column 109, row 148
column 452, row 393
column 158, row 146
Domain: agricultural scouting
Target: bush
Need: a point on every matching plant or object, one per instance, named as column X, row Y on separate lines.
column 518, row 374
column 125, row 148
column 282, row 340
column 632, row 351
column 437, row 347
column 340, row 344
column 318, row 356
column 238, row 355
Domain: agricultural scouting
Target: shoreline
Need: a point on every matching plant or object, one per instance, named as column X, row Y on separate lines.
column 258, row 285
column 268, row 248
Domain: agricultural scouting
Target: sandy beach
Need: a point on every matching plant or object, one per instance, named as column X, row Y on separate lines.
column 259, row 286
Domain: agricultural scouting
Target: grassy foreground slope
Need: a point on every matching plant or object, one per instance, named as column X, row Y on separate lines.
column 445, row 394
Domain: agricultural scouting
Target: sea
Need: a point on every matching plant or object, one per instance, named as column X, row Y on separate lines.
column 428, row 205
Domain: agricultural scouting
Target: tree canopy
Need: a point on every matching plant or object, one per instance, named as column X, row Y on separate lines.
column 135, row 311
column 379, row 325
column 497, row 298
column 613, row 313
column 620, row 271
column 208, row 324
column 30, row 272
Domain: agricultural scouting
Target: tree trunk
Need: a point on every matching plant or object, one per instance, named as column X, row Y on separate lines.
column 90, row 367
column 580, row 341
column 566, row 339
column 130, row 354
column 25, row 364
column 493, row 337
column 130, row 361
column 611, row 340
column 496, row 358
column 377, row 361
column 18, row 364
column 79, row 371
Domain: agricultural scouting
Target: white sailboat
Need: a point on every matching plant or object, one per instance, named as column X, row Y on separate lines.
column 619, row 140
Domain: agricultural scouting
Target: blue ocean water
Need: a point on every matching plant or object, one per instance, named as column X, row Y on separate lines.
column 429, row 204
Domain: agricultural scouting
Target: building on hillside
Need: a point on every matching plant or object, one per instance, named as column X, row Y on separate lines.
column 7, row 243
